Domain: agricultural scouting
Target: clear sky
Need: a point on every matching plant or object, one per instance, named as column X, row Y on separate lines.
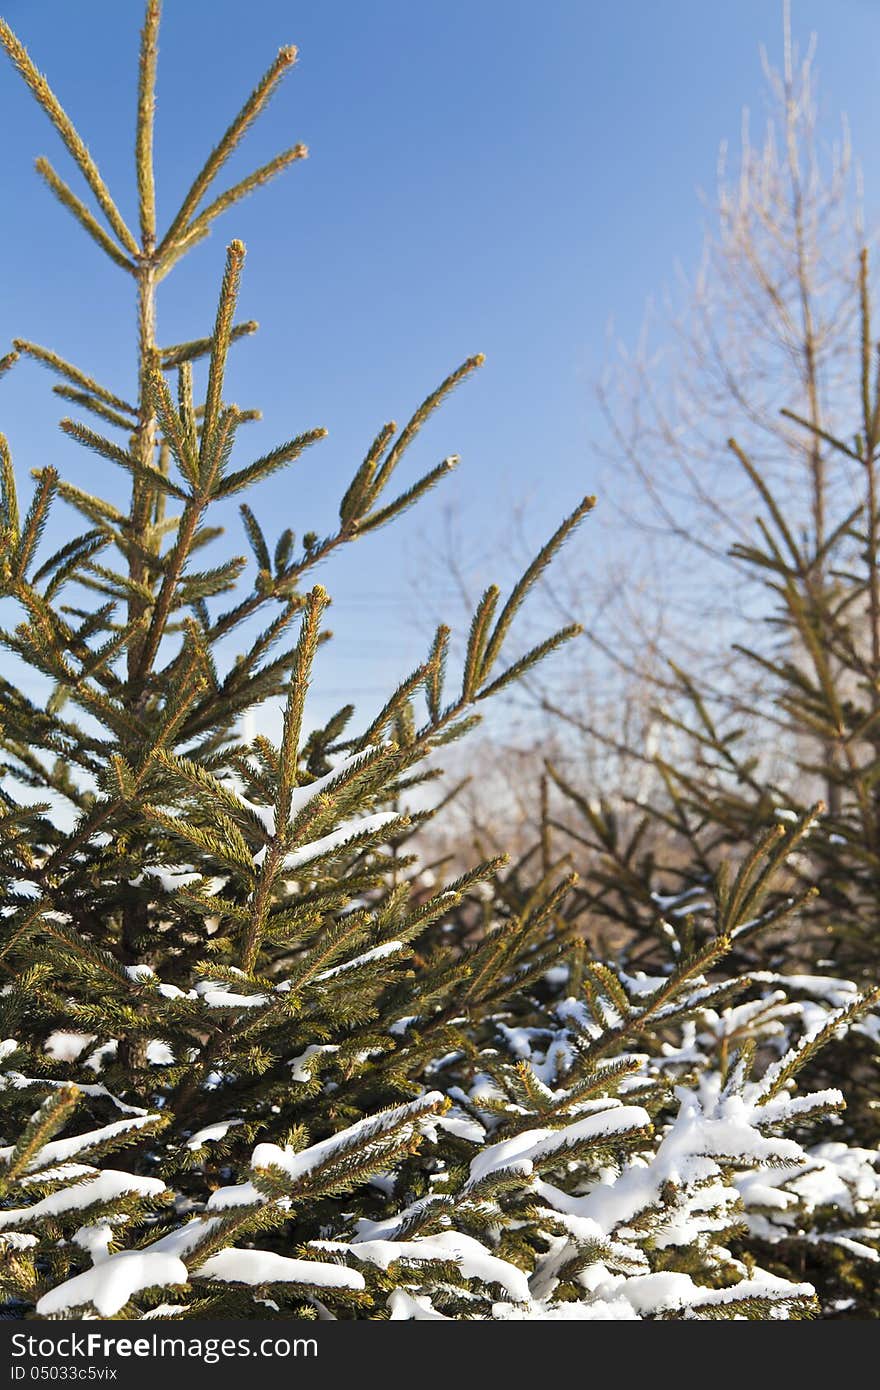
column 485, row 175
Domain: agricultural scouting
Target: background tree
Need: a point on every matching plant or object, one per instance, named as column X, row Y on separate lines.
column 767, row 323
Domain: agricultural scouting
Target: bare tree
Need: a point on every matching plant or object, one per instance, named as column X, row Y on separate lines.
column 769, row 320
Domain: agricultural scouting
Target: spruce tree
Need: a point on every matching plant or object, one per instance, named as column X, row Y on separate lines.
column 222, row 924
column 734, row 770
column 229, row 970
column 698, row 962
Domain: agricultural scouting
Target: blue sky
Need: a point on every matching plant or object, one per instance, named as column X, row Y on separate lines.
column 485, row 175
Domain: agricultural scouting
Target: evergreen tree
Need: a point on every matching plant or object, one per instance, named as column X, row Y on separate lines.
column 229, row 968
column 649, row 865
column 221, row 911
column 742, row 1032
column 817, row 708
column 594, row 1144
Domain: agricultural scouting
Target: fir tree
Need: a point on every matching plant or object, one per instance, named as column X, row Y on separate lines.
column 737, row 1032
column 734, row 771
column 229, row 968
column 595, row 1144
column 221, row 926
column 817, row 714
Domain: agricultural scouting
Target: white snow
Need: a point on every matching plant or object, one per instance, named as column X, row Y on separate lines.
column 419, row 1308
column 95, row 1238
column 298, row 1165
column 299, row 1065
column 20, row 1082
column 234, row 1266
column 63, row 1172
column 222, row 999
column 140, row 974
column 108, row 1286
column 400, row 1025
column 301, row 796
column 685, row 1157
column 60, row 1150
column 387, row 948
column 171, row 878
column 211, row 1133
column 524, row 1150
column 96, row 1060
column 106, row 1186
column 17, row 1240
column 173, row 992
column 461, row 1125
column 472, row 1258
column 66, row 1047
column 241, row 1194
column 328, row 844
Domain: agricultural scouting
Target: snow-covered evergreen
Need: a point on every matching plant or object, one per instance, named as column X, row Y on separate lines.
column 251, row 1063
column 638, row 1148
